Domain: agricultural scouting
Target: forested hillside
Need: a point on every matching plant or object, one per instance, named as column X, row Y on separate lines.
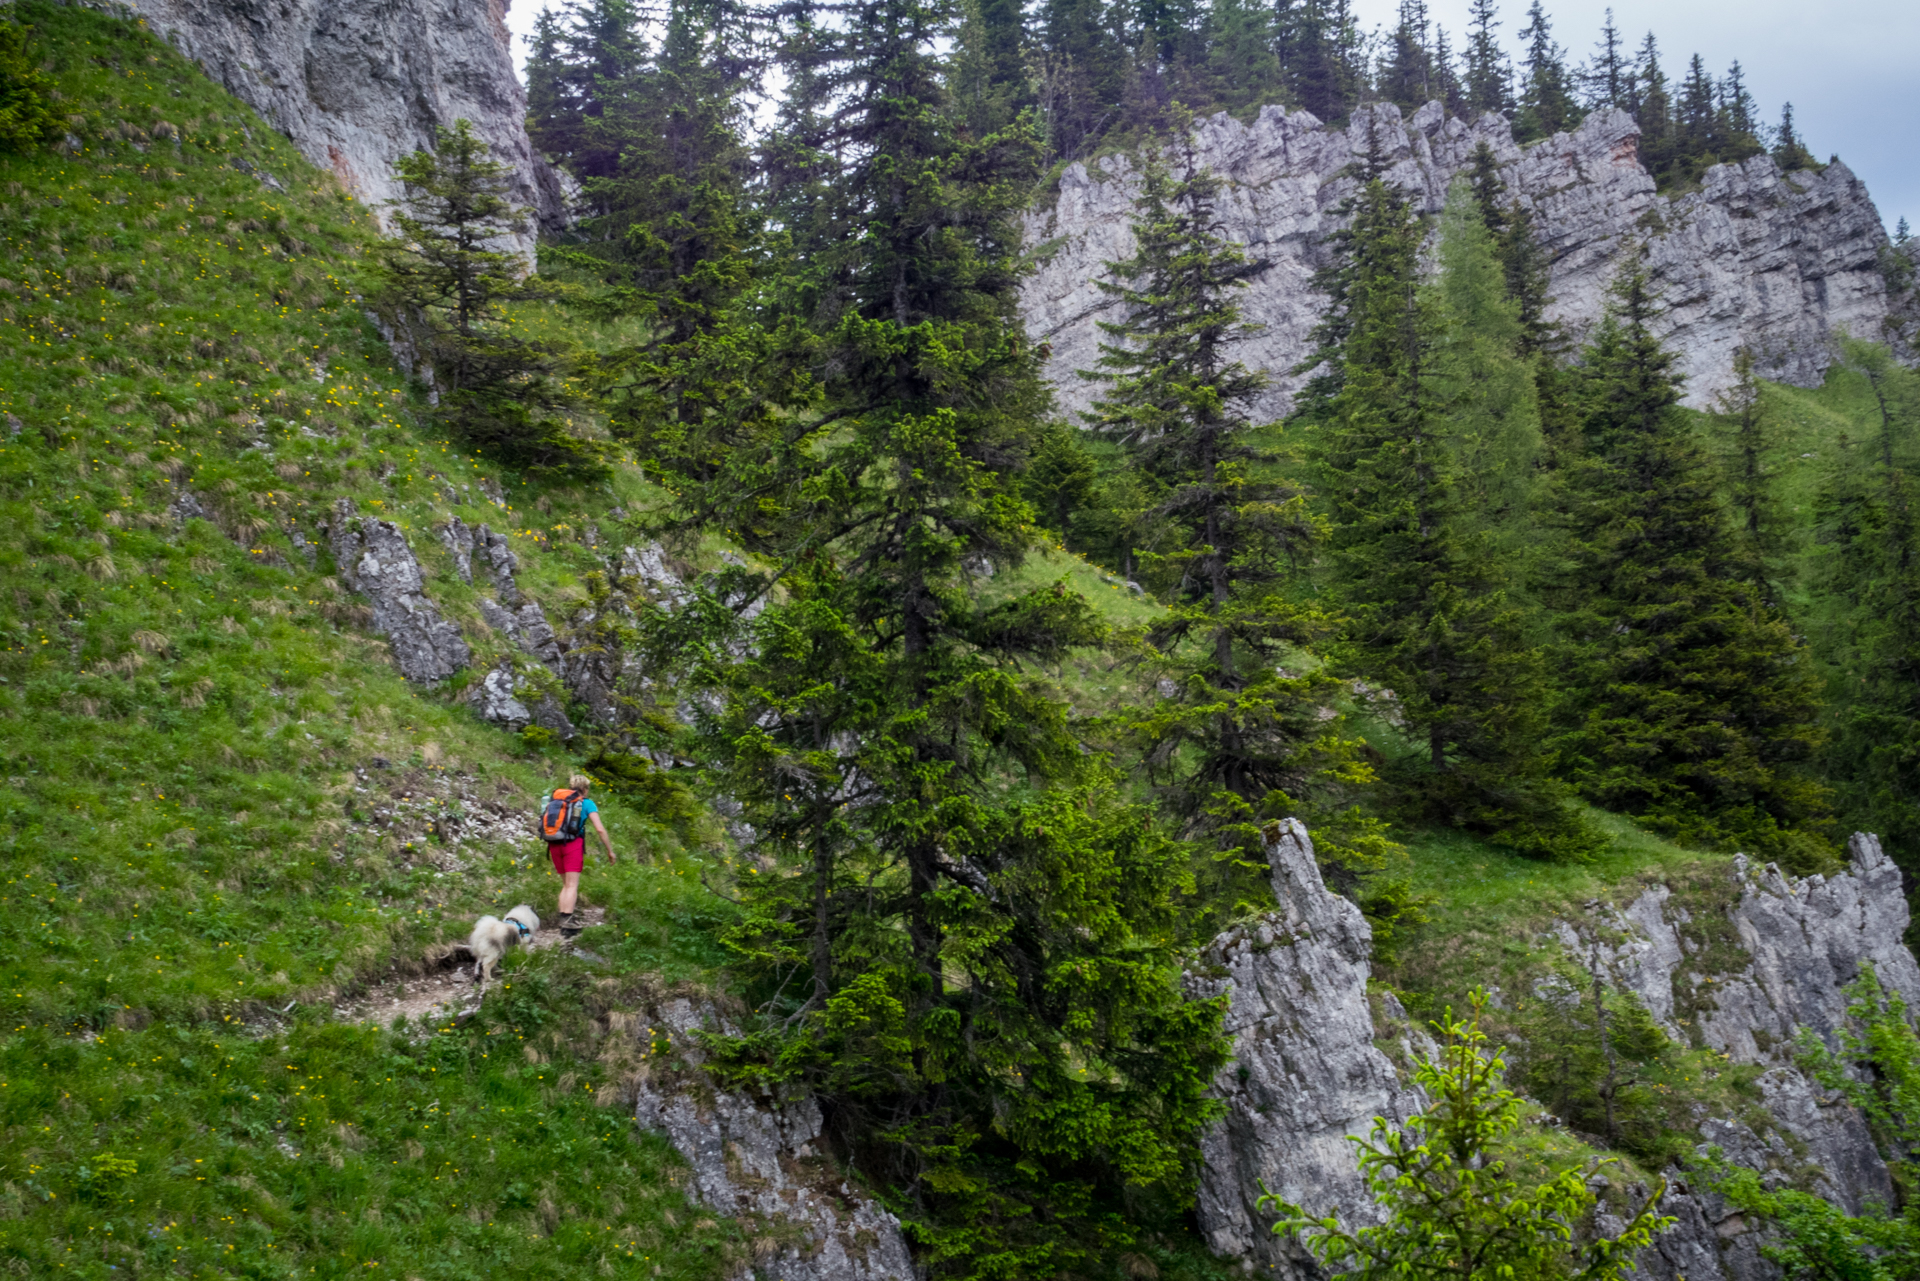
column 939, row 733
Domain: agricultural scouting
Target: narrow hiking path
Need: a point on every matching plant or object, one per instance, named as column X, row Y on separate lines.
column 445, row 989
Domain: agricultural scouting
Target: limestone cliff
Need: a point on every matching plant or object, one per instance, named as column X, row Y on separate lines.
column 1776, row 262
column 356, row 84
column 763, row 1161
column 1306, row 1073
column 1308, row 1069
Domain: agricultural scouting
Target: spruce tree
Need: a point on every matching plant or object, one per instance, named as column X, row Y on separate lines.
column 1239, row 740
column 1607, row 75
column 1428, row 454
column 1321, row 52
column 1547, row 104
column 1750, row 449
column 1697, row 140
column 1406, row 70
column 1690, row 702
column 1242, row 68
column 1083, row 74
column 1446, row 76
column 1653, row 110
column 574, row 71
column 1789, row 152
column 498, row 393
column 674, row 236
column 966, row 949
column 1488, row 79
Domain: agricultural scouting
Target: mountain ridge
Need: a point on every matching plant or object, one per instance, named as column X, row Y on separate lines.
column 1775, row 262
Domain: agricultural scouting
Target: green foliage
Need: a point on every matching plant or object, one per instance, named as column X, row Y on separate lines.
column 1240, row 738
column 1546, row 98
column 1456, row 1204
column 1427, row 452
column 501, row 396
column 1690, row 703
column 1592, row 1058
column 1866, row 585
column 1750, row 450
column 1876, row 1065
column 27, row 116
column 956, row 928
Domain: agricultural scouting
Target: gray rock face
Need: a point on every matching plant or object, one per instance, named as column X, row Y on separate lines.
column 470, row 543
column 356, row 84
column 526, row 627
column 1800, row 941
column 375, row 560
column 1757, row 258
column 1306, row 1073
column 764, row 1159
column 496, row 698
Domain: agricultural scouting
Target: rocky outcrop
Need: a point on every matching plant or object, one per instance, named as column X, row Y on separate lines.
column 356, row 84
column 1797, row 944
column 1776, row 262
column 1738, row 973
column 1306, row 1073
column 375, row 560
column 765, row 1160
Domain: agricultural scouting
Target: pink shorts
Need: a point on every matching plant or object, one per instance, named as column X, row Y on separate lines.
column 568, row 856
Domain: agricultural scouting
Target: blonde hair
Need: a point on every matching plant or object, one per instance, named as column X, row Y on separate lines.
column 579, row 782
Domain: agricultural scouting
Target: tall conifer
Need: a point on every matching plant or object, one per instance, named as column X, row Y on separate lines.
column 498, row 392
column 1488, row 78
column 1691, row 703
column 1607, row 75
column 1428, row 453
column 947, row 854
column 1547, row 103
column 1867, row 597
column 1238, row 739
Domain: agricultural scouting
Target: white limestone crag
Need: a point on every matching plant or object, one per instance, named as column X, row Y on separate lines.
column 356, row 84
column 1306, row 1074
column 765, row 1159
column 1775, row 262
column 1775, row 957
column 374, row 559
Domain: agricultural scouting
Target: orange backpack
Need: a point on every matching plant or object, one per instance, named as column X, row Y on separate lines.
column 561, row 820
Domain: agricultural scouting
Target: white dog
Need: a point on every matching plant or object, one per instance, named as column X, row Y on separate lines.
column 492, row 937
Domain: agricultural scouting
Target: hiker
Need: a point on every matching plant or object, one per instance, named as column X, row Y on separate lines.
column 564, row 824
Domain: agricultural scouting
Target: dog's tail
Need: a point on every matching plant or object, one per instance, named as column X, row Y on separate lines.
column 482, row 929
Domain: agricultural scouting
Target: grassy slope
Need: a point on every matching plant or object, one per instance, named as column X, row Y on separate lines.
column 185, row 851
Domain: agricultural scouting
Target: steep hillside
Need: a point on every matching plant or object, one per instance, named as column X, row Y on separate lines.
column 238, row 840
column 225, row 810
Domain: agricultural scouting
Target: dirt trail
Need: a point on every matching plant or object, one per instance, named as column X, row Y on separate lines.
column 446, row 991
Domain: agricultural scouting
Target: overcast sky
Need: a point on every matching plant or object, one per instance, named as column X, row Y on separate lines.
column 1851, row 69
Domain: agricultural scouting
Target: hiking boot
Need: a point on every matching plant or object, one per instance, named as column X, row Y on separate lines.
column 570, row 925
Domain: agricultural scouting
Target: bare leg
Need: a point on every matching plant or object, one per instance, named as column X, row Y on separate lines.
column 569, row 891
